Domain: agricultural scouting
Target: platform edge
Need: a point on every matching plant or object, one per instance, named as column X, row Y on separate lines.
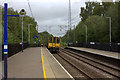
column 61, row 66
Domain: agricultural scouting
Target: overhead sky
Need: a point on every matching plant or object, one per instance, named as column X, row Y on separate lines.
column 51, row 15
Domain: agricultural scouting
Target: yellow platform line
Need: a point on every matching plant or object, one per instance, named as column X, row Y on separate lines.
column 44, row 73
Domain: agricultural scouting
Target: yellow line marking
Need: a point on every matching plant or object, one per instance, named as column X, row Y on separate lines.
column 44, row 73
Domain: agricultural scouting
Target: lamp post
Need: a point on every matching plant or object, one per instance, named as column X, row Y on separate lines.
column 37, row 35
column 22, row 33
column 74, row 33
column 29, row 34
column 110, row 38
column 69, row 21
column 86, row 34
column 22, row 12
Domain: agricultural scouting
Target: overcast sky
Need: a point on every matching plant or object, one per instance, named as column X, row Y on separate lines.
column 51, row 15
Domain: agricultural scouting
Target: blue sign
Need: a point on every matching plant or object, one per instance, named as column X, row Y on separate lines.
column 35, row 38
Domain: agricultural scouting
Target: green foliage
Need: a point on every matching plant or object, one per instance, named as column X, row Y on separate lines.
column 44, row 37
column 113, row 13
column 15, row 27
column 94, row 17
column 97, row 29
column 0, row 25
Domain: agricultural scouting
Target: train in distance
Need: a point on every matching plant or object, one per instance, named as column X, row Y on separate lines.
column 53, row 44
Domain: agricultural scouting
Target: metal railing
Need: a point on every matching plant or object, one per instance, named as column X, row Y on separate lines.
column 115, row 47
column 13, row 49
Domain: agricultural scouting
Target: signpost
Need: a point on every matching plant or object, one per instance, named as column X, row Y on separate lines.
column 5, row 38
column 35, row 38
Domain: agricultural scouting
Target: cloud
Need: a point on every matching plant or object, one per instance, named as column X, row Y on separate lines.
column 50, row 13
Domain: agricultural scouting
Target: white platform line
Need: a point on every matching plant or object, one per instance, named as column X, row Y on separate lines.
column 61, row 65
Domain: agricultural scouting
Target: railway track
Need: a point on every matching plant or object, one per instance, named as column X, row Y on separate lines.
column 76, row 74
column 91, row 68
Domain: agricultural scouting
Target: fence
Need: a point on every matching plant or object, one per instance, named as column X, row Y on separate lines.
column 13, row 49
column 115, row 47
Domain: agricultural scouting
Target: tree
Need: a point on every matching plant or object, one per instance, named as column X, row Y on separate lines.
column 94, row 17
column 14, row 27
column 97, row 29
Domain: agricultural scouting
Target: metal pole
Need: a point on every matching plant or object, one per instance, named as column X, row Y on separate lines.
column 68, row 23
column 86, row 33
column 37, row 34
column 110, row 34
column 5, row 41
column 22, row 33
column 70, row 13
column 37, row 28
column 29, row 34
column 110, row 30
column 6, row 38
column 74, row 33
column 69, row 19
column 68, row 31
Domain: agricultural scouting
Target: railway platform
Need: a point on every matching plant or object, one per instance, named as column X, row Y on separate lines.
column 114, row 55
column 35, row 63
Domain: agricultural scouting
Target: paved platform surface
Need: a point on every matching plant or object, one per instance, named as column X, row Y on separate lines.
column 99, row 52
column 35, row 63
column 53, row 68
column 0, row 70
column 26, row 64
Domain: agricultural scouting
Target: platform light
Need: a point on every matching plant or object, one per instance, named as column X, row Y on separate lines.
column 22, row 14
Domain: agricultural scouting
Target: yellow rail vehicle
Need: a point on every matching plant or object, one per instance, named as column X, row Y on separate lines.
column 53, row 44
